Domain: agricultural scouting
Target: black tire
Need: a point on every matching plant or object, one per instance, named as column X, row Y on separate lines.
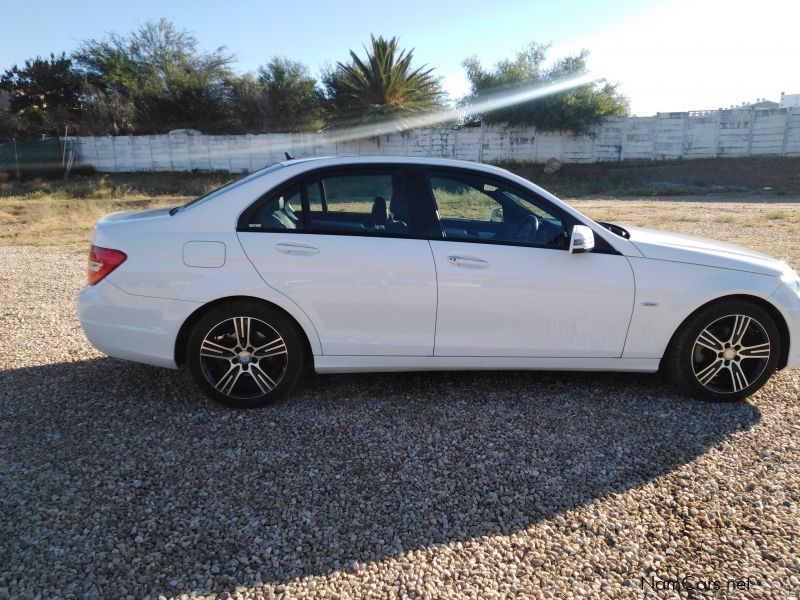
column 260, row 373
column 724, row 352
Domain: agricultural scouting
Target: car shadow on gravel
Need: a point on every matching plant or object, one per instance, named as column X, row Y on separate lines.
column 121, row 478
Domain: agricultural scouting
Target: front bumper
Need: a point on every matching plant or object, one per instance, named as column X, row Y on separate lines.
column 788, row 303
column 137, row 328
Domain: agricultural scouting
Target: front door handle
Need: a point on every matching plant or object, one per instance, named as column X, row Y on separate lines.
column 468, row 261
column 300, row 249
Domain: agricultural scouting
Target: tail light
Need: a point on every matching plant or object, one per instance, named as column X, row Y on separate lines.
column 102, row 261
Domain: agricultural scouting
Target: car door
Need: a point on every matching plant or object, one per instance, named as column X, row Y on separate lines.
column 508, row 286
column 352, row 259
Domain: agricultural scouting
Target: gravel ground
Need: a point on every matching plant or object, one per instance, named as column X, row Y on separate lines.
column 121, row 480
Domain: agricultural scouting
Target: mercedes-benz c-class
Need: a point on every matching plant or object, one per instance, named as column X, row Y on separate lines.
column 402, row 264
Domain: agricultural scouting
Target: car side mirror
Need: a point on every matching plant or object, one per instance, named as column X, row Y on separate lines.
column 496, row 214
column 581, row 240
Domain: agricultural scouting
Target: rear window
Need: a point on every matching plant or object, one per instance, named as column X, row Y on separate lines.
column 229, row 186
column 359, row 203
column 362, row 202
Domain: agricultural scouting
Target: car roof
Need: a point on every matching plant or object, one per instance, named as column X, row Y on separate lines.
column 324, row 161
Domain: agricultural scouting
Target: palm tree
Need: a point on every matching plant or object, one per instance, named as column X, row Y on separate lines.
column 381, row 89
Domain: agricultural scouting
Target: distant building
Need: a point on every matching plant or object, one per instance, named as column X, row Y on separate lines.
column 763, row 103
column 790, row 100
column 759, row 104
column 5, row 100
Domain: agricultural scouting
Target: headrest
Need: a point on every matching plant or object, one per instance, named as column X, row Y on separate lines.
column 399, row 208
column 380, row 212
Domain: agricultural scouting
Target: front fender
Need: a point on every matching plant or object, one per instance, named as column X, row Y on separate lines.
column 668, row 292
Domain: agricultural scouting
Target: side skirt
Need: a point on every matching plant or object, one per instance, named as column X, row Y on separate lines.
column 388, row 364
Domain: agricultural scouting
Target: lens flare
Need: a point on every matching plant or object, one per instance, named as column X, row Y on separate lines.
column 487, row 103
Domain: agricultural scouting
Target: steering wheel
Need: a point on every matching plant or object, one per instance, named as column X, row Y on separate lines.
column 525, row 229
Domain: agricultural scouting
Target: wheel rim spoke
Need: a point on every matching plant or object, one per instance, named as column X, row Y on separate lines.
column 738, row 378
column 756, row 351
column 710, row 341
column 710, row 372
column 228, row 381
column 263, row 381
column 273, row 348
column 242, row 328
column 740, row 326
column 211, row 349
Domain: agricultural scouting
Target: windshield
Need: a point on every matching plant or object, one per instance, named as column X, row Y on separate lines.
column 229, row 186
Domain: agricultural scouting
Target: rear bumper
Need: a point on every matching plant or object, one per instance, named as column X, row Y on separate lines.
column 136, row 328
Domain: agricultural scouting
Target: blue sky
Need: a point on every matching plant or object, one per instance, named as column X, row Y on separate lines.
column 668, row 55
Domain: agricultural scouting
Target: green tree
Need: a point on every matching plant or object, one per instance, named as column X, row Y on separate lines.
column 44, row 95
column 160, row 70
column 576, row 110
column 106, row 112
column 10, row 125
column 380, row 87
column 282, row 98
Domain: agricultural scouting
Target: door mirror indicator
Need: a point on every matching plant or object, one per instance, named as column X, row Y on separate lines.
column 581, row 240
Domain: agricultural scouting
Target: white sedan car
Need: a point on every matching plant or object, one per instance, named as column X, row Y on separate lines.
column 406, row 264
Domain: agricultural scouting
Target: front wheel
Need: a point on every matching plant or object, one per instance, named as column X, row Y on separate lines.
column 725, row 351
column 245, row 354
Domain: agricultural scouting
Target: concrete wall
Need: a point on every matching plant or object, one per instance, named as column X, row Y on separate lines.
column 720, row 133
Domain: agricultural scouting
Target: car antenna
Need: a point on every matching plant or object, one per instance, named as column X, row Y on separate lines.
column 289, row 156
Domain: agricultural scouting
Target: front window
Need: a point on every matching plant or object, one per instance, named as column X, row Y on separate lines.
column 474, row 208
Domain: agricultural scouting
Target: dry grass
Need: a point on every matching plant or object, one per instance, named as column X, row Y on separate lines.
column 767, row 227
column 63, row 222
column 103, row 186
column 777, row 215
column 63, row 212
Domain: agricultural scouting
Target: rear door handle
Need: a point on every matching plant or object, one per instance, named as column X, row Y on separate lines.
column 468, row 261
column 300, row 249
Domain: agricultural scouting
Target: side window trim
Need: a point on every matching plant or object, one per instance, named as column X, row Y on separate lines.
column 305, row 206
column 323, row 197
column 416, row 180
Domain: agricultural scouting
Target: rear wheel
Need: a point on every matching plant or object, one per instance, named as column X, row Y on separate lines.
column 725, row 351
column 245, row 354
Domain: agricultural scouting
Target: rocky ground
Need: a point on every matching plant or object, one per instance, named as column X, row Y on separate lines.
column 120, row 480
